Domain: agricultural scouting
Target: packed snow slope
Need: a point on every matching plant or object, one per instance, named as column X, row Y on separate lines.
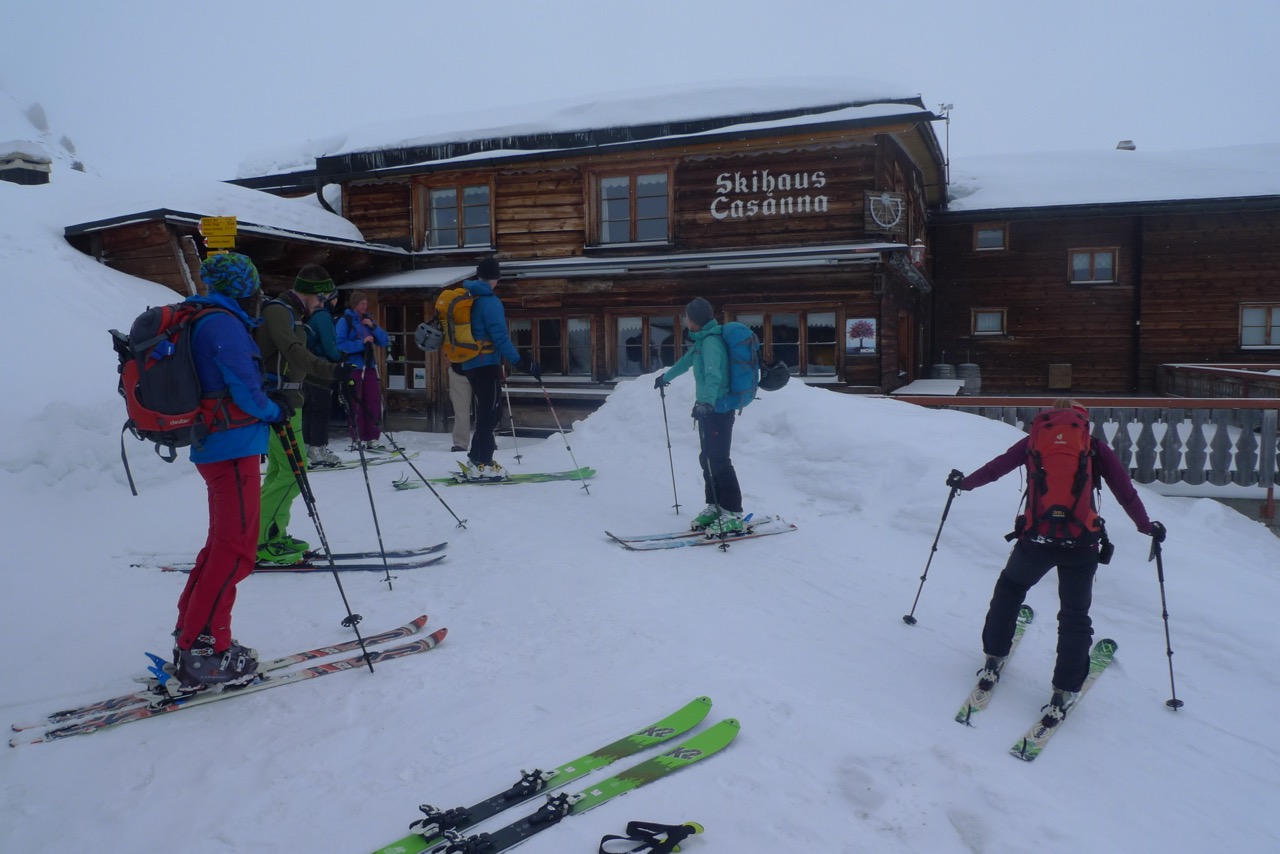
column 560, row 641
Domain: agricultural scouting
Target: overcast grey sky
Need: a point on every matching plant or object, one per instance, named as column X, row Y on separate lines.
column 195, row 88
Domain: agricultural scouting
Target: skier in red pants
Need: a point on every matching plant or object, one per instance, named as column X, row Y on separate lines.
column 226, row 360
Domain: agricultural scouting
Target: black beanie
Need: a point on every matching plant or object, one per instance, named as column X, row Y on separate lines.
column 488, row 270
column 699, row 311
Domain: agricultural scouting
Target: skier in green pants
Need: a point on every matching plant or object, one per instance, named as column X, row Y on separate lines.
column 282, row 338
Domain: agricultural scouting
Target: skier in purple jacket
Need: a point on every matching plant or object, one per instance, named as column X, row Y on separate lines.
column 1031, row 560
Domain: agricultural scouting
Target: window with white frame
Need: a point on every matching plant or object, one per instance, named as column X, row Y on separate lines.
column 646, row 343
column 1260, row 325
column 988, row 321
column 1092, row 266
column 988, row 237
column 632, row 208
column 560, row 345
column 459, row 216
column 805, row 340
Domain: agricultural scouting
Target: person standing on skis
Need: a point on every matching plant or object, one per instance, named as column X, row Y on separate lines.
column 359, row 336
column 1060, row 528
column 282, row 338
column 709, row 359
column 484, row 371
column 226, row 361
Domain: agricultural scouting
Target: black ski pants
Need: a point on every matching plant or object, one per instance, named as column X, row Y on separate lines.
column 720, row 481
column 317, row 409
column 1028, row 563
column 486, row 389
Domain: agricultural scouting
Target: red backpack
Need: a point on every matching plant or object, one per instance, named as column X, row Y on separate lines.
column 160, row 386
column 1060, row 506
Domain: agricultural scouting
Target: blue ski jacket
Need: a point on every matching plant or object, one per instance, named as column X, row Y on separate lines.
column 489, row 323
column 227, row 358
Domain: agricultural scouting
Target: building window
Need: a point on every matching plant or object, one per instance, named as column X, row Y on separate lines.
column 633, row 208
column 649, row 343
column 987, row 238
column 988, row 321
column 459, row 217
column 805, row 340
column 1260, row 325
column 406, row 362
column 1092, row 266
column 562, row 346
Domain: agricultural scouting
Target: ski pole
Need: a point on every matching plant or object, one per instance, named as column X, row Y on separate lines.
column 511, row 417
column 662, row 391
column 1173, row 702
column 289, row 442
column 364, row 467
column 910, row 619
column 547, row 395
column 462, row 523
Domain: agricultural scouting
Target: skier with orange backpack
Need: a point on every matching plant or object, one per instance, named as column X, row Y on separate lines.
column 1061, row 528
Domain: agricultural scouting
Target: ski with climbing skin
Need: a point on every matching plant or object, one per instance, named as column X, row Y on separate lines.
column 84, row 726
column 382, row 459
column 755, row 525
column 323, row 565
column 584, row 473
column 980, row 696
column 704, row 744
column 1030, row 745
column 149, row 695
column 430, row 831
column 314, row 557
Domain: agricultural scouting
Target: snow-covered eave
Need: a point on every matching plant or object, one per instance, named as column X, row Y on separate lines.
column 192, row 220
column 754, row 130
column 1122, row 208
column 340, row 168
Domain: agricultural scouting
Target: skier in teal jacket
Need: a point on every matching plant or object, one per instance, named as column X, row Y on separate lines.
column 709, row 359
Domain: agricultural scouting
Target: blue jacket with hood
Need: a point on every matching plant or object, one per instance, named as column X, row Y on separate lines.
column 351, row 334
column 226, row 358
column 489, row 323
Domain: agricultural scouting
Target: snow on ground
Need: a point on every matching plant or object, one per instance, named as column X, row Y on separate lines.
column 561, row 641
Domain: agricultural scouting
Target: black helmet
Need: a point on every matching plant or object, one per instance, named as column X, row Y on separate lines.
column 775, row 376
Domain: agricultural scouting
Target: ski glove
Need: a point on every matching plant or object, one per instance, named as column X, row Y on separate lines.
column 281, row 400
column 345, row 375
column 701, row 411
column 530, row 367
column 1157, row 532
column 660, row 382
column 955, row 479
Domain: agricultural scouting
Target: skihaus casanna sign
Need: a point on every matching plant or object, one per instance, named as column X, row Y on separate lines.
column 760, row 193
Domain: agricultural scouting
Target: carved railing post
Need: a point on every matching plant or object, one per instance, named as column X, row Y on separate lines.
column 1171, row 448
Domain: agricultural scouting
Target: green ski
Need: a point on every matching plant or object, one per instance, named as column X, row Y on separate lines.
column 699, row 747
column 429, row 831
column 980, row 696
column 1029, row 746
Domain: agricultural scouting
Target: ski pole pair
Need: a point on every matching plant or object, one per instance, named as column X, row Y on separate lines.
column 1156, row 555
column 289, row 443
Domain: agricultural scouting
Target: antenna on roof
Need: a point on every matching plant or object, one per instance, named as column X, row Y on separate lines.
column 946, row 109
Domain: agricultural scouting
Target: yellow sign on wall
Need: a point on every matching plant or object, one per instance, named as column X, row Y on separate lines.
column 219, row 232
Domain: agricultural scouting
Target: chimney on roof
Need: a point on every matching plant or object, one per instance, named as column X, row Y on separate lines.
column 24, row 163
column 1126, row 145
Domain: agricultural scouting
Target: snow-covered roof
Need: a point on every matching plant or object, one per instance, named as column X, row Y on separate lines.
column 1053, row 179
column 25, row 148
column 634, row 109
column 100, row 199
